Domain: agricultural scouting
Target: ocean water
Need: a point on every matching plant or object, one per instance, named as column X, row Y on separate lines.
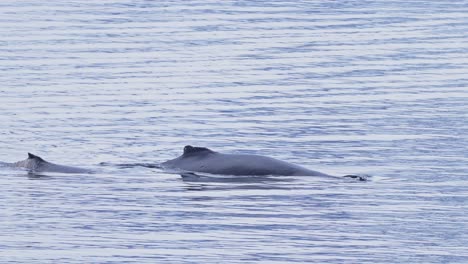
column 344, row 87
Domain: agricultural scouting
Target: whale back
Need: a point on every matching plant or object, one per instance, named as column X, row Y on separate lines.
column 199, row 159
column 35, row 163
column 32, row 163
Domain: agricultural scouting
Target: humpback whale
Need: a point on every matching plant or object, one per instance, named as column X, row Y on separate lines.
column 36, row 164
column 205, row 160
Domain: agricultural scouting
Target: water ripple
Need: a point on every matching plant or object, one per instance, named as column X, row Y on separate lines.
column 370, row 87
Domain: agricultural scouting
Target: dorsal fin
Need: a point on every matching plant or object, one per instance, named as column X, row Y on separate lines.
column 32, row 156
column 189, row 149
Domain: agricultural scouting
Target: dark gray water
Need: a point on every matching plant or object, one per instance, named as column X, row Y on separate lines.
column 343, row 87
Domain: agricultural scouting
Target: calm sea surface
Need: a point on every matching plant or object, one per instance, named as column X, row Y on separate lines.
column 343, row 87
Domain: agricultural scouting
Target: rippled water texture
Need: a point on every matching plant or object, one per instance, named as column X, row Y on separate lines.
column 342, row 87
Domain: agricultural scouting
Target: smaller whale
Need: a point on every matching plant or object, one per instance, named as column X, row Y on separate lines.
column 35, row 164
column 204, row 160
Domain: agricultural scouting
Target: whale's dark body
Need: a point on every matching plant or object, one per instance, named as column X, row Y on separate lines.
column 36, row 164
column 204, row 160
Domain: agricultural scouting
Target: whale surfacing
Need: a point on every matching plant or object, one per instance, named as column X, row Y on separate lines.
column 35, row 164
column 204, row 160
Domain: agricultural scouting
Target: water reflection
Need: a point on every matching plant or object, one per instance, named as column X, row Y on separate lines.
column 38, row 176
column 223, row 182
